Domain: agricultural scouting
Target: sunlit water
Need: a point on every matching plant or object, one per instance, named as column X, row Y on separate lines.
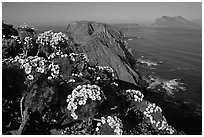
column 171, row 58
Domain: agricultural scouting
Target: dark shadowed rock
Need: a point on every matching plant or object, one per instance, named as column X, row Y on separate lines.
column 105, row 46
column 8, row 30
column 22, row 31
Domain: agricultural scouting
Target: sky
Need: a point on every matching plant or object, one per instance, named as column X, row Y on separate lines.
column 62, row 13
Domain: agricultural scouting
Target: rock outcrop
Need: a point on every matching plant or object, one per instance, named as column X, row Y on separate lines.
column 174, row 22
column 8, row 30
column 105, row 46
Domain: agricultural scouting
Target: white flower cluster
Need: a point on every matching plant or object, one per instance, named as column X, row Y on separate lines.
column 44, row 38
column 58, row 37
column 51, row 38
column 32, row 63
column 164, row 126
column 13, row 60
column 136, row 95
column 102, row 68
column 14, row 38
column 77, row 75
column 58, row 53
column 159, row 124
column 28, row 41
column 55, row 70
column 82, row 55
column 80, row 95
column 150, row 109
column 71, row 81
column 114, row 83
column 36, row 64
column 114, row 122
column 106, row 68
column 7, row 60
column 73, row 56
column 28, row 64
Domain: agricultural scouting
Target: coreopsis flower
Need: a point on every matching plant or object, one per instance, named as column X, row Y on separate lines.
column 33, row 63
column 49, row 77
column 107, row 69
column 40, row 70
column 73, row 57
column 161, row 123
column 114, row 122
column 114, row 83
column 21, row 61
column 55, row 69
column 28, row 68
column 30, row 77
column 28, row 43
column 51, row 39
column 41, row 63
column 71, row 81
column 85, row 57
column 80, row 95
column 135, row 94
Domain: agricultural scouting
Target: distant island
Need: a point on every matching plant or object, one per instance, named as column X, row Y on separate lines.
column 175, row 22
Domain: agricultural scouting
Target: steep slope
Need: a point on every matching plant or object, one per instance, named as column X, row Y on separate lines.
column 175, row 22
column 105, row 46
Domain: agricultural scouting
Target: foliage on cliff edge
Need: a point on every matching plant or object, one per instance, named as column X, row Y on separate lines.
column 50, row 87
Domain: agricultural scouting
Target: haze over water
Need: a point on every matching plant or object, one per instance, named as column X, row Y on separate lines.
column 60, row 14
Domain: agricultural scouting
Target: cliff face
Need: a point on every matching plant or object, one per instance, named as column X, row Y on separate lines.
column 105, row 46
column 176, row 22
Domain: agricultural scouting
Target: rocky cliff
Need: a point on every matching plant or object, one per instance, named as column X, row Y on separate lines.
column 105, row 46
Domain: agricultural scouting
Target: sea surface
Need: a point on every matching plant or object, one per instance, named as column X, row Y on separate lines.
column 177, row 54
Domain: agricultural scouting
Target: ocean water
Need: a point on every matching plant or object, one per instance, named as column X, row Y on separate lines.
column 180, row 51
